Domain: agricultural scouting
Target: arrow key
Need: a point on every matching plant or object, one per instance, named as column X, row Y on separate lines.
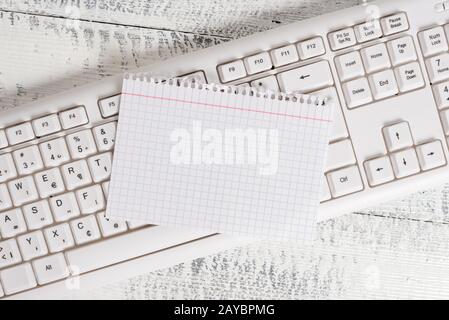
column 431, row 155
column 379, row 171
column 398, row 136
column 405, row 163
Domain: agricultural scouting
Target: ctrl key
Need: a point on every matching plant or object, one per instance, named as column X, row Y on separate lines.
column 345, row 181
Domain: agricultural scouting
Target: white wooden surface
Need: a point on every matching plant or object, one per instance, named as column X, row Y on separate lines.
column 396, row 250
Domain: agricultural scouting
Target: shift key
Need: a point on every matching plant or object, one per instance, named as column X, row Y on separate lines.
column 305, row 79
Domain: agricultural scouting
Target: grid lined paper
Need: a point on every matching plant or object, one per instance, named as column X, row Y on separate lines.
column 226, row 197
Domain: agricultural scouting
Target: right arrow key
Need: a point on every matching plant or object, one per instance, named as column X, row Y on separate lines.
column 431, row 155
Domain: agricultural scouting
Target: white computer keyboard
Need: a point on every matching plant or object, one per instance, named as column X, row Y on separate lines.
column 385, row 65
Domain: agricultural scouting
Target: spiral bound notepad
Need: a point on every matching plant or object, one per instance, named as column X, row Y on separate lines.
column 223, row 159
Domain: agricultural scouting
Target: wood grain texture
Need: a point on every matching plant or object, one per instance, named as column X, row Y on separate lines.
column 396, row 250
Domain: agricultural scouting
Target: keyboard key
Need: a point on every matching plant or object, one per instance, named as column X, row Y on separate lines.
column 105, row 136
column 197, row 77
column 64, row 206
column 266, row 84
column 5, row 198
column 394, row 24
column 110, row 227
column 28, row 160
column 76, row 174
column 9, row 253
column 32, row 245
column 368, row 31
column 342, row 39
column 1, row 291
column 445, row 119
column 50, row 269
column 37, row 215
column 18, row 278
column 441, row 92
column 402, row 50
column 20, row 133
column 100, row 166
column 326, row 192
column 3, row 140
column 54, row 152
column 7, row 167
column 232, row 71
column 49, row 182
column 375, row 58
column 339, row 154
column 105, row 186
column 12, row 223
column 46, row 125
column 438, row 68
column 379, row 171
column 345, row 181
column 349, row 66
column 109, row 106
column 431, row 155
column 91, row 199
column 81, row 144
column 305, row 79
column 405, row 163
column 59, row 237
column 284, row 55
column 23, row 190
column 258, row 63
column 73, row 118
column 383, row 84
column 433, row 41
column 357, row 93
column 85, row 229
column 409, row 77
column 398, row 136
column 311, row 48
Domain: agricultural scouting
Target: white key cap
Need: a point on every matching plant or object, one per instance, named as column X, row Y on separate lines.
column 105, row 186
column 3, row 140
column 64, row 206
column 305, row 79
column 379, row 171
column 32, row 245
column 441, row 92
column 1, row 291
column 54, row 152
column 445, row 119
column 405, row 163
column 100, row 166
column 342, row 39
column 401, row 50
column 73, row 118
column 9, row 253
column 37, row 214
column 59, row 237
column 349, row 66
column 433, row 41
column 284, row 55
column 197, row 77
column 49, row 182
column 18, row 278
column 357, row 93
column 76, row 174
column 20, row 133
column 109, row 106
column 339, row 129
column 431, row 155
column 368, row 31
column 85, row 229
column 7, row 167
column 51, row 268
column 345, row 181
column 375, row 58
column 438, row 67
column 91, row 199
column 383, row 84
column 339, row 154
column 28, row 160
column 258, row 63
column 326, row 192
column 105, row 136
column 409, row 77
column 394, row 24
column 266, row 84
column 81, row 144
column 46, row 125
column 398, row 136
column 311, row 48
column 5, row 198
column 110, row 227
column 23, row 190
column 232, row 71
column 12, row 223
